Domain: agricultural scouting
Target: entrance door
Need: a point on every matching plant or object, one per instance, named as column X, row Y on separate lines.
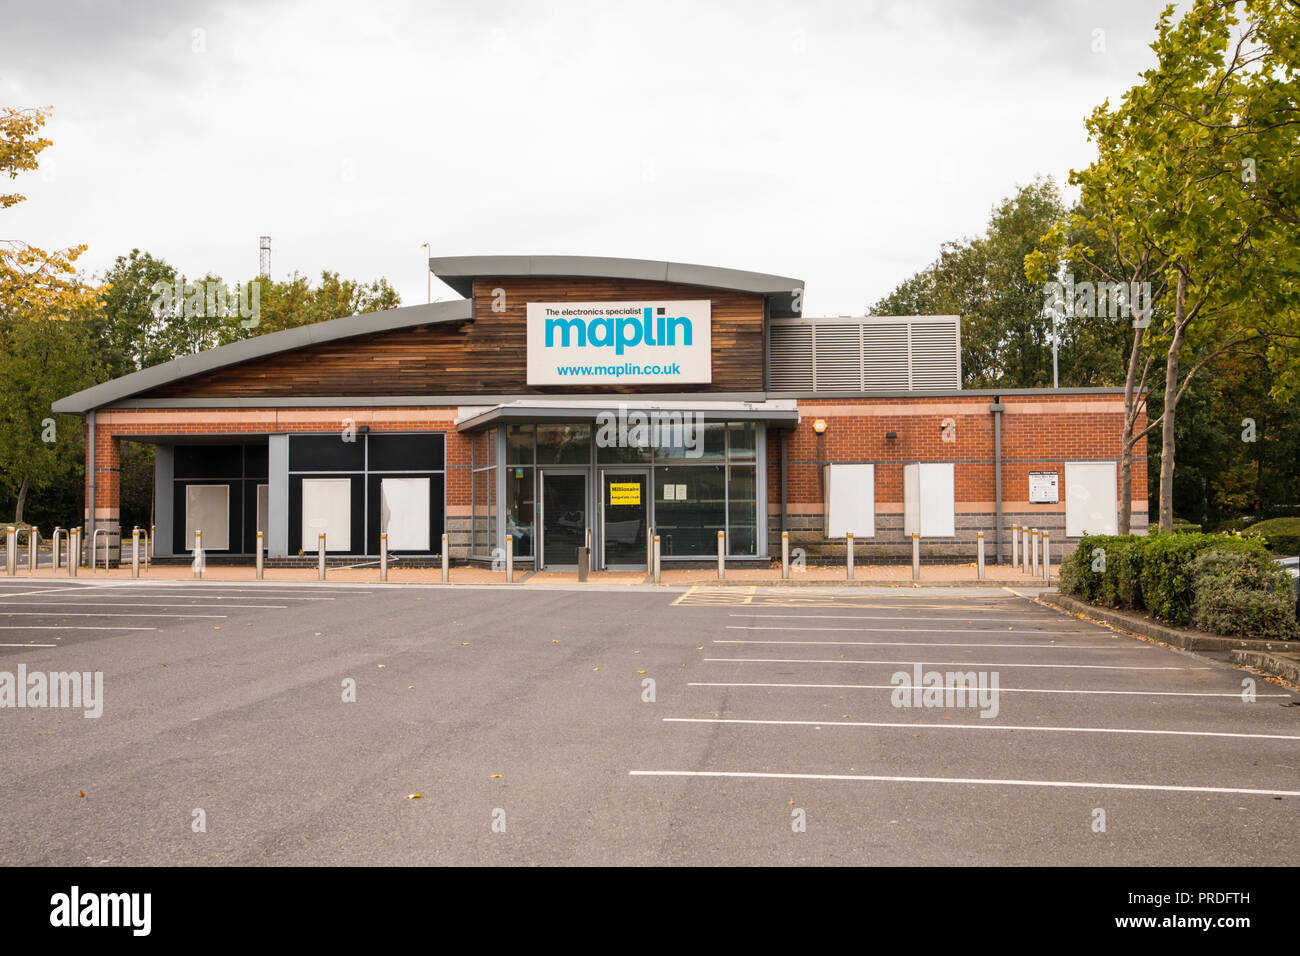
column 564, row 518
column 624, row 499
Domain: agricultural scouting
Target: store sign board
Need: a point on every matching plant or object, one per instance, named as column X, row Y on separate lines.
column 604, row 343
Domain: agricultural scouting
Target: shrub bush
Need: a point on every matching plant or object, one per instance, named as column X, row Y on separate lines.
column 1281, row 535
column 1157, row 573
column 1242, row 594
column 1166, row 577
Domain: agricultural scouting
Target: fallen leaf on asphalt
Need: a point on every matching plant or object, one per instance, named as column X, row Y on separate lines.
column 164, row 665
column 410, row 687
column 495, row 776
column 595, row 668
column 414, row 796
column 640, row 672
column 380, row 665
column 81, row 793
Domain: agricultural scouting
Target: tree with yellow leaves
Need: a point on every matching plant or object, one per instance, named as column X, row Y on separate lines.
column 46, row 350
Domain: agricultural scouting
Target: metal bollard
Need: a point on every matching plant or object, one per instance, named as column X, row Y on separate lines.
column 785, row 555
column 979, row 555
column 135, row 552
column 94, row 548
column 320, row 556
column 33, row 548
column 198, row 554
column 383, row 556
column 1024, row 550
column 54, row 546
column 149, row 554
column 1033, row 534
column 916, row 556
column 848, row 554
column 1015, row 545
column 656, row 560
column 11, row 551
column 446, row 563
column 510, row 559
column 74, row 551
column 722, row 555
column 649, row 549
column 1047, row 557
column 261, row 546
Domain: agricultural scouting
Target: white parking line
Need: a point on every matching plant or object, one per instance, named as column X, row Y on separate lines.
column 277, row 597
column 1001, row 690
column 950, row 726
column 71, row 627
column 1078, row 647
column 95, row 614
column 267, row 607
column 908, row 617
column 798, row 660
column 29, row 645
column 899, row 630
column 977, row 781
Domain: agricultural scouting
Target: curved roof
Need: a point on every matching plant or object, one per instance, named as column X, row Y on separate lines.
column 260, row 346
column 459, row 272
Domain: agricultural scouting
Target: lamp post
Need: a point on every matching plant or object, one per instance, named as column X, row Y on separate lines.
column 428, row 278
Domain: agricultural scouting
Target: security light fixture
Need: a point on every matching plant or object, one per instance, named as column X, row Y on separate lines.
column 819, row 426
column 891, row 435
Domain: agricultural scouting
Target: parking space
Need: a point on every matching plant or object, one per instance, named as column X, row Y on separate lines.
column 800, row 695
column 627, row 725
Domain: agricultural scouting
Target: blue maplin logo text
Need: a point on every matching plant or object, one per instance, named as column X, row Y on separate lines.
column 619, row 332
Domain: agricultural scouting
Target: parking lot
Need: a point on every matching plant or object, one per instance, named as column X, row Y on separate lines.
column 623, row 725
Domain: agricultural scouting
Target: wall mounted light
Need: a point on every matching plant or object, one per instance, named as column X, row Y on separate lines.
column 819, row 426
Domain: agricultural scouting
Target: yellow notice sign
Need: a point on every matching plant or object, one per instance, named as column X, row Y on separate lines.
column 625, row 492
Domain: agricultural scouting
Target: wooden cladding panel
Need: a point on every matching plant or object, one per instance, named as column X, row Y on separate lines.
column 483, row 356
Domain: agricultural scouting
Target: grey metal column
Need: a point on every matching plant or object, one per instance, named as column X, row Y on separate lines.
column 277, row 495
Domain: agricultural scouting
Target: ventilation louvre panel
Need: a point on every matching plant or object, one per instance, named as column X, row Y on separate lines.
column 869, row 354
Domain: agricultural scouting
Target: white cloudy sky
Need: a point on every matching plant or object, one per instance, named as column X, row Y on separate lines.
column 839, row 142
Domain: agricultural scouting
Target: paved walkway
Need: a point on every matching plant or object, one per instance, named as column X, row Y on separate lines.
column 893, row 574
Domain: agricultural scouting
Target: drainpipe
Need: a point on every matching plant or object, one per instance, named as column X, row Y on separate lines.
column 997, row 408
column 90, row 466
column 785, row 485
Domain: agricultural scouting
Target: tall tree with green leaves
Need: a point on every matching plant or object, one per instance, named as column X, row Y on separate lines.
column 1198, row 176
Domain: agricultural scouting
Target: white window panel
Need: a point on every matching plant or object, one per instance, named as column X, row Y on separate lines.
column 929, row 501
column 850, row 500
column 327, row 507
column 207, row 509
column 404, row 513
column 1091, row 501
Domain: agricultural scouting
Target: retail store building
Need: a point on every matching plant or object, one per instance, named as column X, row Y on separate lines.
column 572, row 399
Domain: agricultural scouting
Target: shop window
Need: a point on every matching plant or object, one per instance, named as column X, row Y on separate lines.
column 564, row 444
column 207, row 509
column 520, row 508
column 404, row 513
column 742, row 510
column 690, row 508
column 327, row 508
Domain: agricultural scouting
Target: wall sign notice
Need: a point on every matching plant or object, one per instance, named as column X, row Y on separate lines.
column 625, row 492
column 609, row 343
column 1044, row 488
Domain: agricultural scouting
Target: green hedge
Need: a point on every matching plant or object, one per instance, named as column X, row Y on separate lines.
column 1158, row 573
column 1281, row 535
column 1241, row 596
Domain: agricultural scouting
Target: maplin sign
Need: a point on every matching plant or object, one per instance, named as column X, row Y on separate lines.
column 602, row 343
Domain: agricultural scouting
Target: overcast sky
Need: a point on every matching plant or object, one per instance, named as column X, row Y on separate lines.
column 838, row 142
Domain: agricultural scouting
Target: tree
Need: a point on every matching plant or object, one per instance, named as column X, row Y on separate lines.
column 1198, row 180
column 45, row 342
column 1006, row 330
